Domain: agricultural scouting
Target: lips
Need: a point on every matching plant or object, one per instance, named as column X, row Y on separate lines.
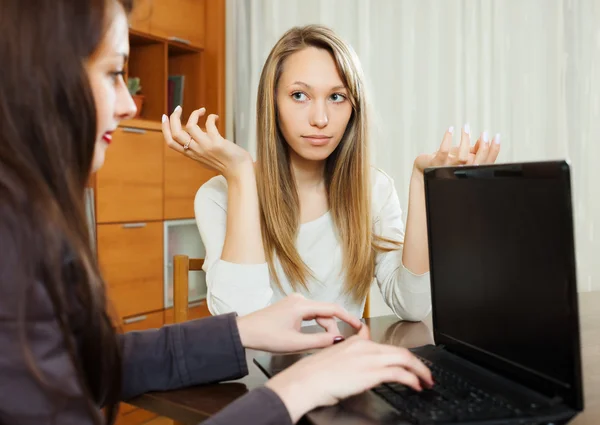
column 107, row 137
column 317, row 139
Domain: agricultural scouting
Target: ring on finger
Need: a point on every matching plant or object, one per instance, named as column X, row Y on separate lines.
column 187, row 145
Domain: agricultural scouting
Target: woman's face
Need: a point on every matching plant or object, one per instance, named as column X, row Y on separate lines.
column 313, row 104
column 105, row 73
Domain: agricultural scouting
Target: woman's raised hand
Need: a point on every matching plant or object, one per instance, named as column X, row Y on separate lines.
column 207, row 147
column 485, row 151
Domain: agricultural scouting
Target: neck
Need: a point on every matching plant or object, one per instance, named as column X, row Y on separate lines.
column 307, row 174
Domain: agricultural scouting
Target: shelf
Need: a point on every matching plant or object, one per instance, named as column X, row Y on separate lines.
column 148, row 61
column 187, row 62
column 141, row 123
column 176, row 48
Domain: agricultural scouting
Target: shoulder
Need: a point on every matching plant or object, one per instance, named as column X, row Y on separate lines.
column 213, row 192
column 382, row 188
column 383, row 193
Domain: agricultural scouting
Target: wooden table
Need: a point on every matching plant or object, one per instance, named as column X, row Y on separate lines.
column 193, row 405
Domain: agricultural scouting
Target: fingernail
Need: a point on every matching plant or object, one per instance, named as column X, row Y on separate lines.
column 497, row 138
column 485, row 137
column 451, row 130
column 178, row 108
column 164, row 118
column 467, row 129
column 338, row 339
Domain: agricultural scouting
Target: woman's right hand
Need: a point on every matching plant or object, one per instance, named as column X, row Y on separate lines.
column 208, row 148
column 346, row 369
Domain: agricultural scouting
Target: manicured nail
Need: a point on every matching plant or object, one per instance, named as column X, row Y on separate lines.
column 451, row 130
column 485, row 137
column 497, row 138
column 178, row 108
column 467, row 129
column 338, row 339
column 164, row 118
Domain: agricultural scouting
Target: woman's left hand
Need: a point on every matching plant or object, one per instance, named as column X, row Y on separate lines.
column 485, row 151
column 277, row 328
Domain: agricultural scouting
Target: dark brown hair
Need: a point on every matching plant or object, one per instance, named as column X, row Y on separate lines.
column 47, row 139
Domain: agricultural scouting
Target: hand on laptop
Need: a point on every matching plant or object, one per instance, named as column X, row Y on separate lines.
column 277, row 327
column 485, row 151
column 348, row 368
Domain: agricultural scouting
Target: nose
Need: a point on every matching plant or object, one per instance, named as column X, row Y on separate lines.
column 319, row 114
column 125, row 108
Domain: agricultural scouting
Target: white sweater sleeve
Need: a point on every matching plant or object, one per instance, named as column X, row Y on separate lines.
column 407, row 294
column 240, row 288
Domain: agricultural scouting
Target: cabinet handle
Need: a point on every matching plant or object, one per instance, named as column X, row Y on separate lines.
column 134, row 225
column 180, row 40
column 133, row 130
column 195, row 304
column 131, row 320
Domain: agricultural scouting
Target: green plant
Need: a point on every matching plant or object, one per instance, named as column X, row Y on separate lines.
column 133, row 85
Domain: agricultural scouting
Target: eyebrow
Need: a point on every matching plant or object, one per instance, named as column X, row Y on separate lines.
column 309, row 87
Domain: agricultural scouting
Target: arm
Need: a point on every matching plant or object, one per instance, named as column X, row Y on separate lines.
column 406, row 293
column 237, row 275
column 416, row 252
column 191, row 353
column 259, row 407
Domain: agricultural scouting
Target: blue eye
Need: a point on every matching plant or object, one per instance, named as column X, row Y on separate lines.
column 299, row 96
column 337, row 97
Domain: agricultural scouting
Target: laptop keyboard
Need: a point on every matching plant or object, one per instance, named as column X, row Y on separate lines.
column 452, row 399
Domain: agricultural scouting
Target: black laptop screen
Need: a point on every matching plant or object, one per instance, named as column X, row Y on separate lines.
column 502, row 266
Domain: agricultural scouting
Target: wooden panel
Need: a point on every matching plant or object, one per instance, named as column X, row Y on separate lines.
column 183, row 19
column 141, row 15
column 183, row 178
column 214, row 59
column 142, row 124
column 130, row 185
column 197, row 310
column 135, row 417
column 148, row 61
column 131, row 260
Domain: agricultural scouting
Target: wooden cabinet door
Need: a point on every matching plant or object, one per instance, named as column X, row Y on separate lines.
column 182, row 20
column 131, row 260
column 183, row 178
column 129, row 186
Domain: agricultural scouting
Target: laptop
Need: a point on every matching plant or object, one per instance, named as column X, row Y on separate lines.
column 504, row 305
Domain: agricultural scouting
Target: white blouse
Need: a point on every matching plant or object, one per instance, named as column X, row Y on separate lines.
column 245, row 288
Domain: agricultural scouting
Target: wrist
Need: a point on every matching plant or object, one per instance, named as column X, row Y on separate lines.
column 245, row 330
column 241, row 171
column 416, row 172
column 417, row 178
column 293, row 394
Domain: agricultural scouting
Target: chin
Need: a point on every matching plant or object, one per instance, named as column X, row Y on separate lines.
column 315, row 154
column 99, row 155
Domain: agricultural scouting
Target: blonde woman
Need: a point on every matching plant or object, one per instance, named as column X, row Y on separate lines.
column 311, row 215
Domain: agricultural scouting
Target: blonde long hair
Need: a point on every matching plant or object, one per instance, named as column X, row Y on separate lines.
column 347, row 171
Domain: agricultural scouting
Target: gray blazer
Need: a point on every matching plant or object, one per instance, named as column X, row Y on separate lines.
column 181, row 355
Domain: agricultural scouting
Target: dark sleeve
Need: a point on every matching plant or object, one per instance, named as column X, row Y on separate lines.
column 23, row 398
column 191, row 353
column 259, row 407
